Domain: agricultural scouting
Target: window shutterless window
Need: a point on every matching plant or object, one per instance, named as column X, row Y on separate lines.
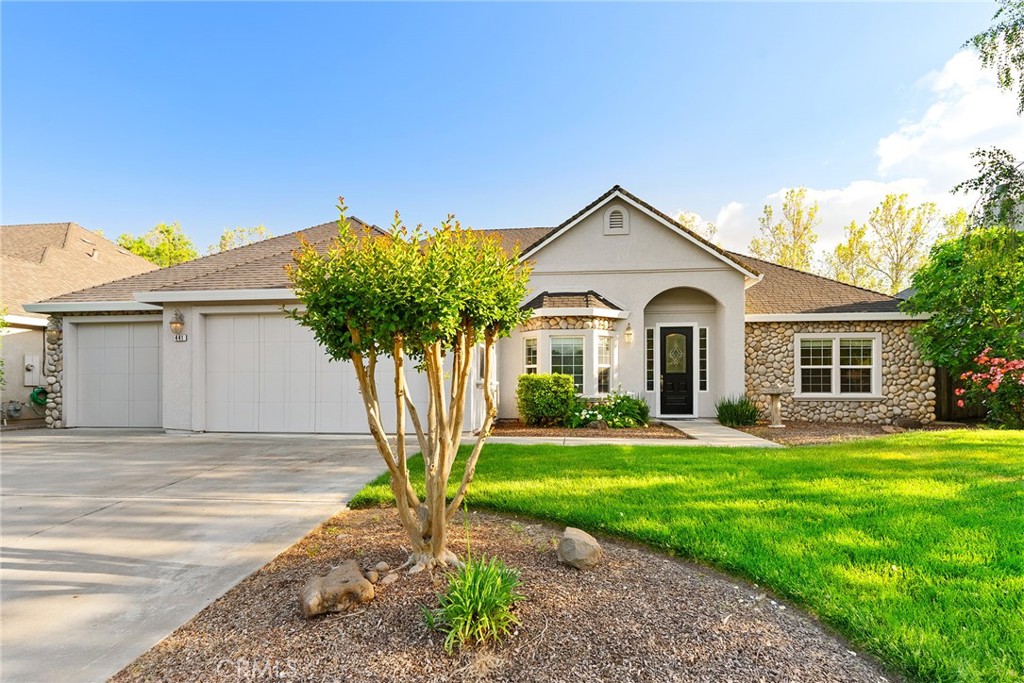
column 649, row 356
column 702, row 357
column 838, row 365
column 530, row 356
column 604, row 364
column 567, row 358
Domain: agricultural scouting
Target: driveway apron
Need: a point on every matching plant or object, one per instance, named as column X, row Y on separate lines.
column 113, row 538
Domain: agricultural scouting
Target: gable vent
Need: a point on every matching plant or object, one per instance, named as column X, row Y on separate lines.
column 616, row 222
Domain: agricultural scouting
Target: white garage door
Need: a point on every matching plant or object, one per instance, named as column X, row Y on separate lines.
column 117, row 375
column 266, row 373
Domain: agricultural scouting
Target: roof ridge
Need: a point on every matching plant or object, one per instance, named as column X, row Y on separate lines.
column 816, row 275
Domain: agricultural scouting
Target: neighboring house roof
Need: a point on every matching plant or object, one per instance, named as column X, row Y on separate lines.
column 788, row 291
column 255, row 266
column 589, row 299
column 43, row 260
column 521, row 239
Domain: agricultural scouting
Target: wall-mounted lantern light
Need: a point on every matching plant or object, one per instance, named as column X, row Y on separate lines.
column 628, row 334
column 52, row 335
column 177, row 323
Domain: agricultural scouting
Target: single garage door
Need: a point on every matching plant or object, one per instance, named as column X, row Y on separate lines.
column 266, row 373
column 117, row 375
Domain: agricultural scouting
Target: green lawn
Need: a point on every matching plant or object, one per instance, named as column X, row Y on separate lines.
column 912, row 545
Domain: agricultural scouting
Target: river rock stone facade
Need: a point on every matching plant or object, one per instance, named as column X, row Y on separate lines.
column 54, row 368
column 908, row 381
column 569, row 322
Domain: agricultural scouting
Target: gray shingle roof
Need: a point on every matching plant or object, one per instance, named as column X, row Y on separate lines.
column 589, row 299
column 42, row 260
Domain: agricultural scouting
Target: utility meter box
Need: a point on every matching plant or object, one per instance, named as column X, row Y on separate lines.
column 33, row 373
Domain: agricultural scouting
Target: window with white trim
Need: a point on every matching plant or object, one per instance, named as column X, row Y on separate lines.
column 649, row 356
column 604, row 364
column 702, row 359
column 530, row 356
column 841, row 365
column 567, row 358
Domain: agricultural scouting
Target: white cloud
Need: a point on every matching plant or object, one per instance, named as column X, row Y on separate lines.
column 923, row 158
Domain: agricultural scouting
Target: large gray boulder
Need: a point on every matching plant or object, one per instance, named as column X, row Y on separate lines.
column 342, row 589
column 578, row 549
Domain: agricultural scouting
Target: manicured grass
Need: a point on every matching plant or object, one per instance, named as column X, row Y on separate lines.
column 912, row 545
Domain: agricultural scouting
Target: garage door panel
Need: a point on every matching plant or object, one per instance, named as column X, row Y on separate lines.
column 90, row 337
column 145, row 358
column 117, row 374
column 145, row 413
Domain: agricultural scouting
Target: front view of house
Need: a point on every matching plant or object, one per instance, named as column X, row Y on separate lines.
column 624, row 299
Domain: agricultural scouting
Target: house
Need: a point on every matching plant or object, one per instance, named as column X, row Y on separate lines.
column 624, row 299
column 40, row 261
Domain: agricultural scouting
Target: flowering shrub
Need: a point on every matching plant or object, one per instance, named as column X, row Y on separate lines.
column 618, row 411
column 998, row 383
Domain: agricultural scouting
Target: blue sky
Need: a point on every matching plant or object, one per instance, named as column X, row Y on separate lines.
column 120, row 116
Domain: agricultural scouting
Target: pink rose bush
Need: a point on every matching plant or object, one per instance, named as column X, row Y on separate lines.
column 997, row 383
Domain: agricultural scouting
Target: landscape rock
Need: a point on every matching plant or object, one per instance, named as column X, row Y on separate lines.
column 389, row 579
column 892, row 429
column 342, row 589
column 597, row 424
column 578, row 549
column 372, row 576
column 382, row 567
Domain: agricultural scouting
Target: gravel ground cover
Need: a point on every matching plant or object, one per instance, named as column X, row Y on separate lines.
column 651, row 431
column 804, row 433
column 640, row 616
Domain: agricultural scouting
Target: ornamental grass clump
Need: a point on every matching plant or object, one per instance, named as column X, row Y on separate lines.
column 739, row 411
column 477, row 607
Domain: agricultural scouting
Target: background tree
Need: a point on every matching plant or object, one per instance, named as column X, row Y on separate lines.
column 694, row 224
column 1000, row 181
column 850, row 261
column 239, row 237
column 900, row 236
column 790, row 241
column 1001, row 47
column 973, row 289
column 955, row 225
column 164, row 245
column 430, row 302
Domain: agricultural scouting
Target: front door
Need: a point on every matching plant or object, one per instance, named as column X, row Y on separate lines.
column 677, row 371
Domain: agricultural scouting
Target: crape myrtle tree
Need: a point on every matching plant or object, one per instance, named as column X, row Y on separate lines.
column 425, row 301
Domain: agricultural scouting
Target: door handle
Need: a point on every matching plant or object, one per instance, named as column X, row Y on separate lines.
column 662, row 382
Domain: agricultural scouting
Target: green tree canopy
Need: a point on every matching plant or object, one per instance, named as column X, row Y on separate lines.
column 850, row 261
column 1000, row 181
column 239, row 237
column 901, row 235
column 973, row 289
column 429, row 297
column 1001, row 47
column 164, row 245
column 789, row 241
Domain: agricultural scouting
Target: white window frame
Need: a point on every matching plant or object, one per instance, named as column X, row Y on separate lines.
column 876, row 365
column 536, row 357
column 583, row 347
column 598, row 365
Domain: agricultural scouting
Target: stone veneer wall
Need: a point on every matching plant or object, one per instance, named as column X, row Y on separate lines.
column 570, row 322
column 54, row 367
column 908, row 381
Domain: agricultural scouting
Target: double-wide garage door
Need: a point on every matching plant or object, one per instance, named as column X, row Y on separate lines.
column 266, row 373
column 117, row 377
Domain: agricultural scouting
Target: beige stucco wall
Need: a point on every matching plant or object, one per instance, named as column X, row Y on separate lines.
column 907, row 381
column 631, row 270
column 16, row 343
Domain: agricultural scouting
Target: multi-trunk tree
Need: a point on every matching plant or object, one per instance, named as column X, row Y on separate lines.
column 789, row 241
column 415, row 301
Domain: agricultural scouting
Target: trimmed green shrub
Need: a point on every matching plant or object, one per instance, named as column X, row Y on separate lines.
column 737, row 411
column 477, row 607
column 545, row 399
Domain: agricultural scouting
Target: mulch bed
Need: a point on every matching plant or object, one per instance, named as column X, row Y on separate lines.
column 651, row 431
column 805, row 433
column 639, row 616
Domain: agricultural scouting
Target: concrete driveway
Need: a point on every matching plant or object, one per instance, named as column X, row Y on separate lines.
column 112, row 539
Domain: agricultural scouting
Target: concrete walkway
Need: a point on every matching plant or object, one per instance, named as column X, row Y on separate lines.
column 704, row 432
column 113, row 539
